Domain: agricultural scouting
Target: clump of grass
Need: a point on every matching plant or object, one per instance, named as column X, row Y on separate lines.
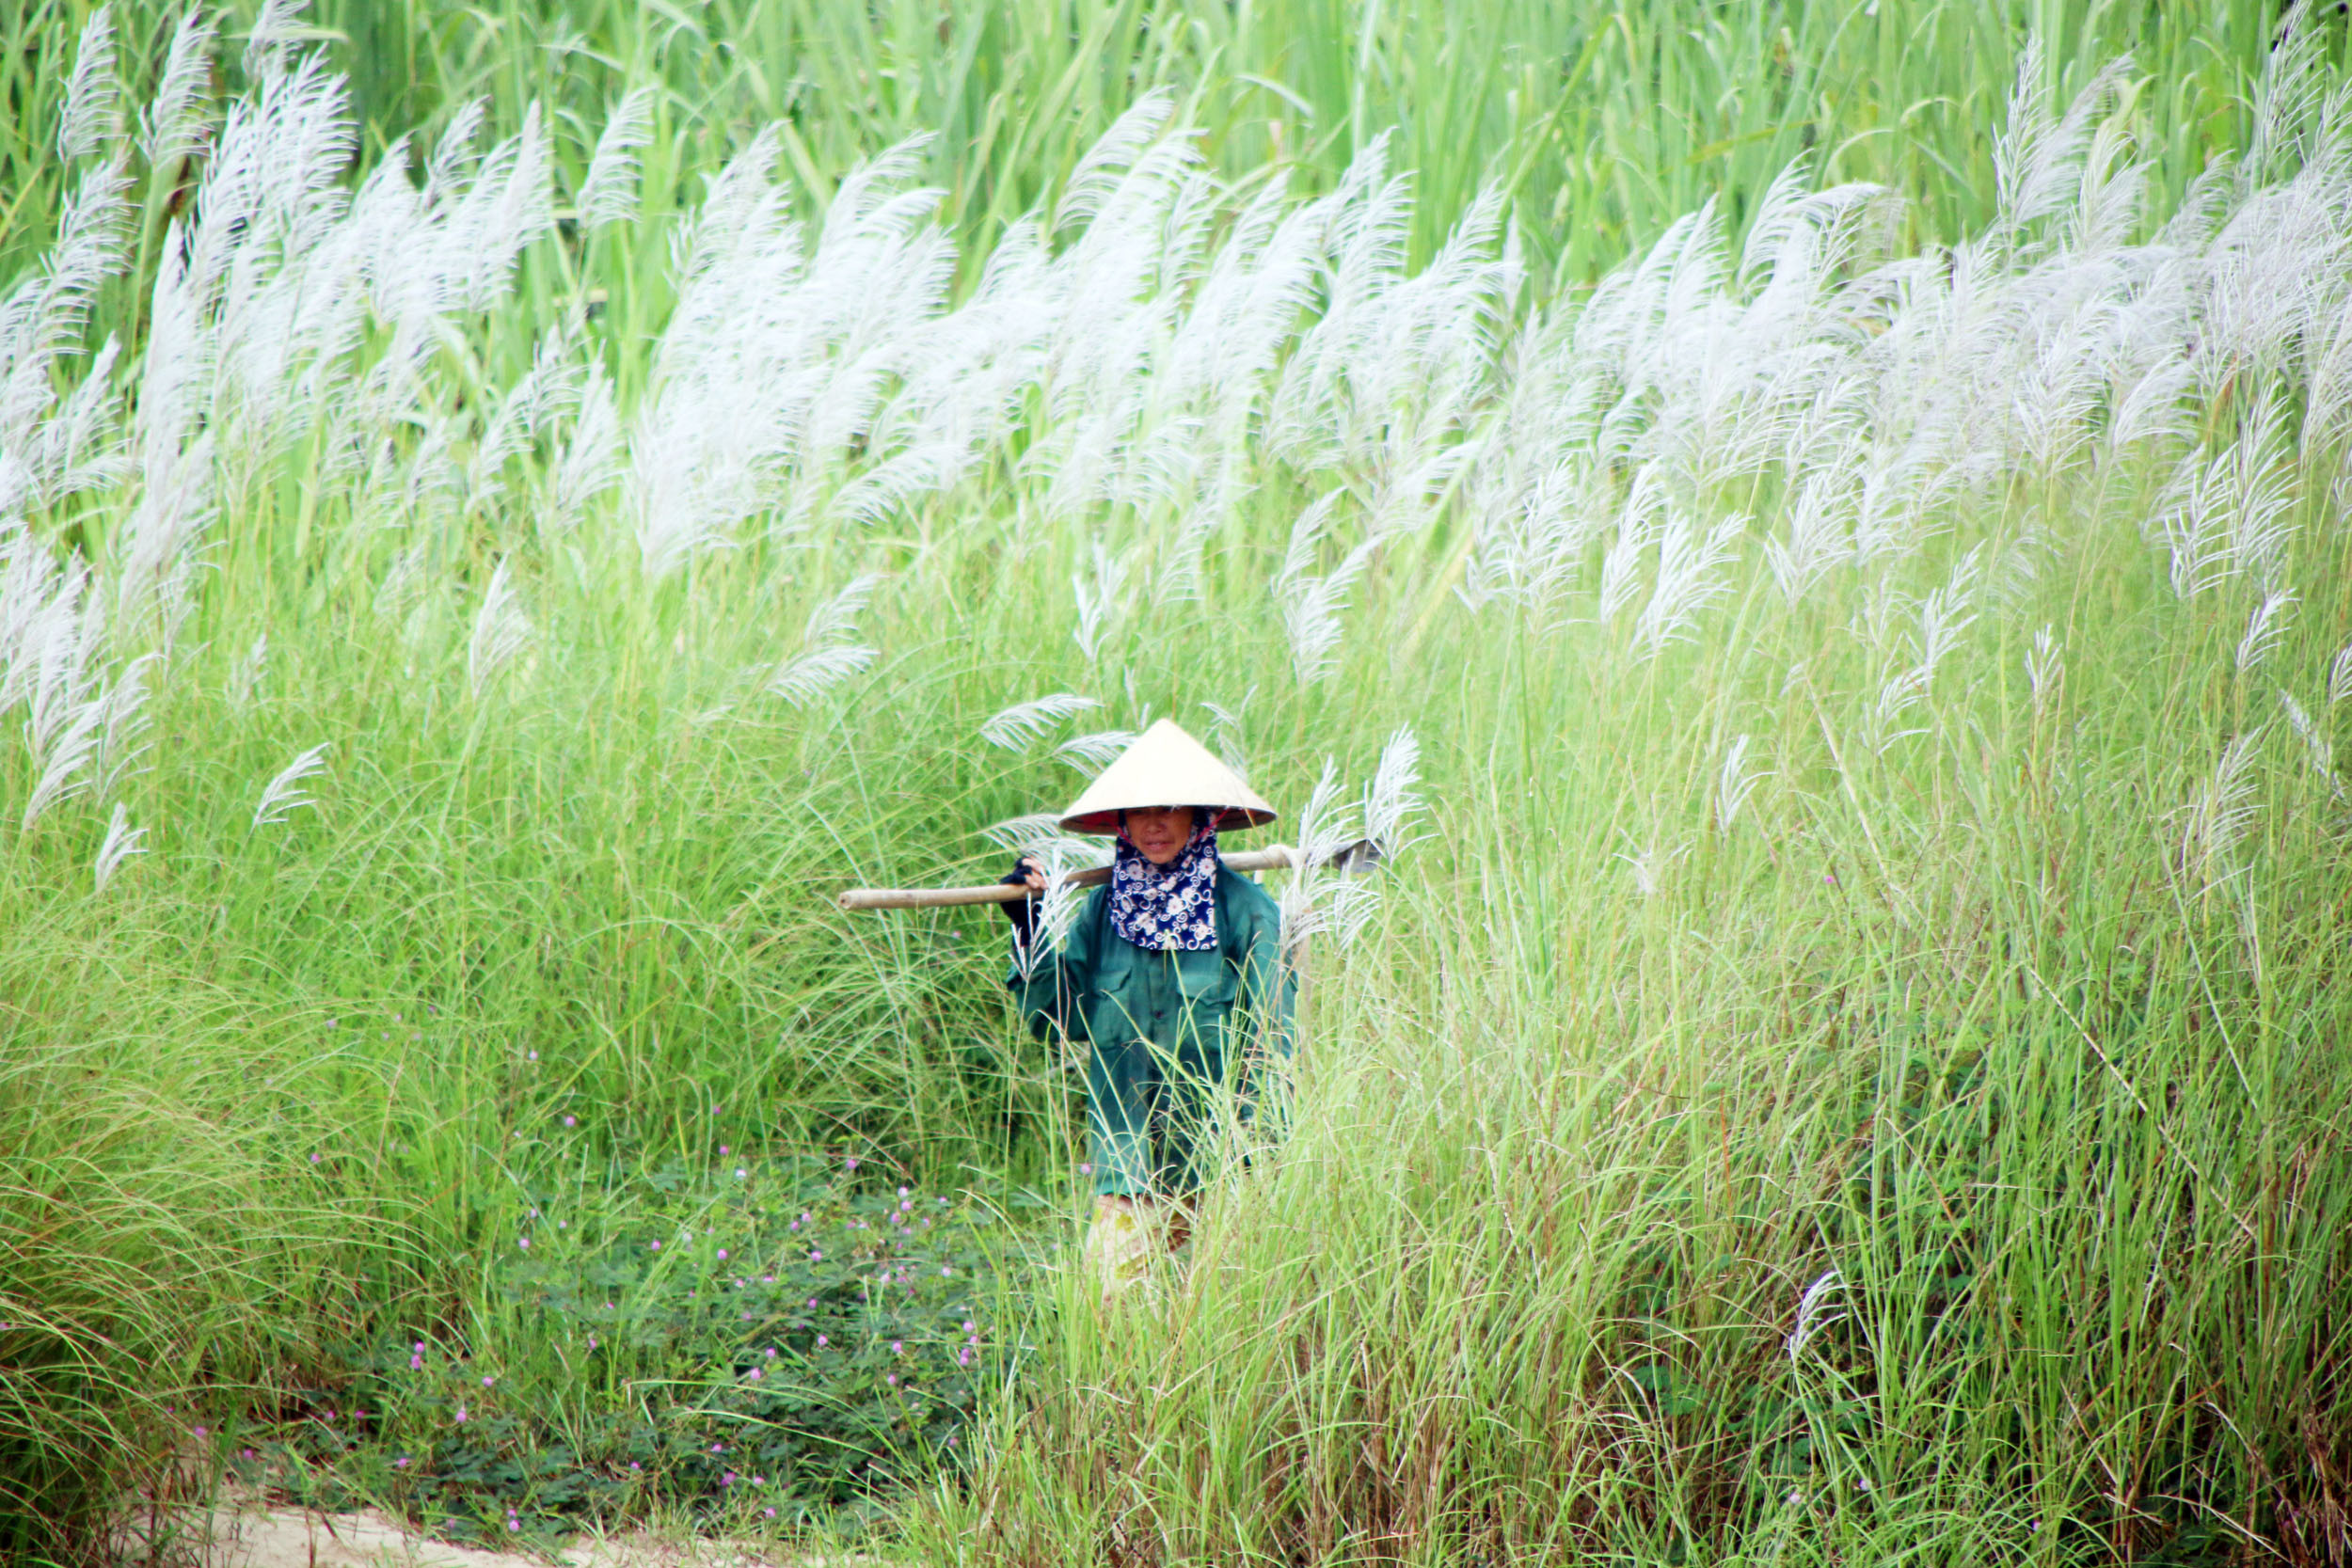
column 164, row 1252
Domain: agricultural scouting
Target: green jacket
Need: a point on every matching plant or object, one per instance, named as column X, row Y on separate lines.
column 1165, row 1030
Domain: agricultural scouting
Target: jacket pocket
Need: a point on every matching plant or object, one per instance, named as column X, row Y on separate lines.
column 1207, row 995
column 1213, row 984
column 1111, row 1010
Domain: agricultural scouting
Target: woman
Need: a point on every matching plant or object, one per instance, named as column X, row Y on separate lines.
column 1171, row 973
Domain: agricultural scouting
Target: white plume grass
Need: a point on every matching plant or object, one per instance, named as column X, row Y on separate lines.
column 1037, row 833
column 2045, row 668
column 806, row 676
column 1057, row 909
column 608, row 193
column 1097, row 598
column 119, row 746
column 830, row 654
column 1130, row 360
column 276, row 27
column 2263, row 628
column 1311, row 605
column 92, row 119
column 593, row 458
column 1318, row 899
column 244, row 675
column 1023, row 724
column 1096, row 750
column 121, row 842
column 1393, row 800
column 2317, row 749
column 1734, row 784
column 1224, row 736
column 1815, row 1313
column 502, row 632
column 283, row 795
column 1648, row 863
column 2220, row 812
column 171, row 128
column 65, row 757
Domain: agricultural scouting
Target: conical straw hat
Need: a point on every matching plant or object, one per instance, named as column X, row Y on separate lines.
column 1166, row 768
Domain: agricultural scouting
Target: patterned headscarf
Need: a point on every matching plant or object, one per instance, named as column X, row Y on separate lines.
column 1166, row 907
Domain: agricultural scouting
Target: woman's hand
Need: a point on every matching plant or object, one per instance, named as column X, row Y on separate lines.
column 1022, row 911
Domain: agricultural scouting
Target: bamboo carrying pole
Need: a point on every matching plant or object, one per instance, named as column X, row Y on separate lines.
column 1274, row 857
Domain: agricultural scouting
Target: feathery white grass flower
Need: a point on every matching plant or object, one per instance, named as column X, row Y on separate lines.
column 1734, row 784
column 51, row 667
column 2231, row 514
column 2339, row 676
column 829, row 381
column 122, row 841
column 1058, row 911
column 540, row 396
column 2045, row 668
column 92, row 116
column 1017, row 833
column 1320, row 899
column 776, row 359
column 283, row 794
column 502, row 631
column 1098, row 597
column 1691, row 578
column 1037, row 833
column 1311, row 614
column 609, row 193
column 1393, row 799
column 2317, row 748
column 65, row 756
column 244, row 674
column 1311, row 604
column 2220, row 812
column 1096, row 749
column 829, row 655
column 40, row 320
column 1814, row 1313
column 1818, row 537
column 278, row 25
column 2037, row 159
column 171, row 128
column 592, row 461
column 806, row 676
column 1057, row 908
column 1649, row 864
column 2263, row 630
column 1319, row 837
column 1225, row 733
column 1020, row 727
column 1901, row 691
column 1945, row 614
column 126, row 719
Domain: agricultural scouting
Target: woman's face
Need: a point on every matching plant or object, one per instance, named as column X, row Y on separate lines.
column 1160, row 831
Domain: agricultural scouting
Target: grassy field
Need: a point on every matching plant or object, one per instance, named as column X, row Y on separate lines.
column 507, row 509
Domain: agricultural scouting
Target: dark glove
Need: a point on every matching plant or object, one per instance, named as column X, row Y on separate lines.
column 1022, row 911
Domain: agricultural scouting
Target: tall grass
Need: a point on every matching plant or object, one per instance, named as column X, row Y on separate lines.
column 1848, row 1077
column 1603, row 124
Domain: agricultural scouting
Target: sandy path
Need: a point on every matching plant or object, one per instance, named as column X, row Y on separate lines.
column 247, row 1534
